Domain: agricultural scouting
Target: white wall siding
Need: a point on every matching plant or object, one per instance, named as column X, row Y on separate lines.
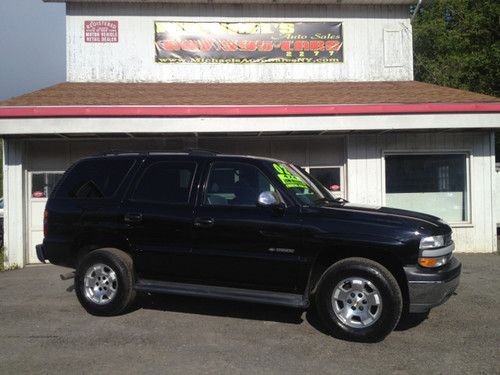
column 365, row 176
column 307, row 151
column 377, row 44
column 13, row 188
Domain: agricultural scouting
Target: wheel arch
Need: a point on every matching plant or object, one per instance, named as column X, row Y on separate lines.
column 384, row 257
column 89, row 241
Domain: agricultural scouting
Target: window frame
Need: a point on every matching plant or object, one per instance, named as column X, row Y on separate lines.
column 29, row 182
column 207, row 177
column 138, row 181
column 468, row 171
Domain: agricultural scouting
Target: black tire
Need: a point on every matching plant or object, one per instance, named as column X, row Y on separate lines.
column 381, row 278
column 119, row 262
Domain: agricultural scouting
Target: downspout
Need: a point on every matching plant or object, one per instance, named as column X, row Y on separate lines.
column 417, row 8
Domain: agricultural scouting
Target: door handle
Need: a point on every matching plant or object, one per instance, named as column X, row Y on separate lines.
column 133, row 217
column 204, row 222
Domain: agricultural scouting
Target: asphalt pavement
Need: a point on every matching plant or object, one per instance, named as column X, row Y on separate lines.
column 43, row 329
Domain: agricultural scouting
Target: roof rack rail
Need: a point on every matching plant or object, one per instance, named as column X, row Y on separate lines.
column 191, row 151
column 201, row 152
column 118, row 152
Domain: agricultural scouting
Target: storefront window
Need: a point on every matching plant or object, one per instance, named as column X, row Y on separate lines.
column 435, row 184
column 42, row 184
column 330, row 178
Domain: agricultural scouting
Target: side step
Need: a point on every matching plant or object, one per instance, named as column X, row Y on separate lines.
column 219, row 292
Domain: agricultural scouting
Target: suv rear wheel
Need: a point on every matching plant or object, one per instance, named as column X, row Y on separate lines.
column 104, row 282
column 359, row 300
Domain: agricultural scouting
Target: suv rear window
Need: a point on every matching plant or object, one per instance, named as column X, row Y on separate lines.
column 94, row 179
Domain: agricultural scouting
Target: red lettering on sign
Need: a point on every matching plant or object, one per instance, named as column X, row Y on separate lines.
column 228, row 45
column 169, row 45
column 301, row 45
column 317, row 45
column 205, row 45
column 333, row 45
column 247, row 45
column 286, row 45
column 265, row 45
column 189, row 45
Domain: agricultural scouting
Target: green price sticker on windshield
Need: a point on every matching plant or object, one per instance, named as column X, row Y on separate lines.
column 289, row 180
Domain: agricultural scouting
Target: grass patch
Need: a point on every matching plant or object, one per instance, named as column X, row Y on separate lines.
column 2, row 258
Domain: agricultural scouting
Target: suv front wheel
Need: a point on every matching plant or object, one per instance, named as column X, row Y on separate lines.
column 359, row 300
column 104, row 282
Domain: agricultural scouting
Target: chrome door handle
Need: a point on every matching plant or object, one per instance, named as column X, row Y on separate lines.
column 204, row 222
column 133, row 217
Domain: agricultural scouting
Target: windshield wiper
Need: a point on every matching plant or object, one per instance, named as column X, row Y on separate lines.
column 331, row 200
column 340, row 200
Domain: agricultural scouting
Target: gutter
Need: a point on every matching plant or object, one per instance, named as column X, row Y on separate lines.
column 244, row 111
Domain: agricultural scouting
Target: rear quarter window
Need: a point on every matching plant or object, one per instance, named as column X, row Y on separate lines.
column 94, row 179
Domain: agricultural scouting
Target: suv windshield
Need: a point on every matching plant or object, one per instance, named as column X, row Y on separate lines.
column 308, row 191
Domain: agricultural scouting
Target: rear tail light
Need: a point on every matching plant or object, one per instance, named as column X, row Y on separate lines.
column 45, row 223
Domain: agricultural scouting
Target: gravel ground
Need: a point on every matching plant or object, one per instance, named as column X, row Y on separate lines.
column 43, row 329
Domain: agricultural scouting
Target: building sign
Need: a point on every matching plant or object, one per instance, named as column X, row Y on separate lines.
column 249, row 42
column 101, row 31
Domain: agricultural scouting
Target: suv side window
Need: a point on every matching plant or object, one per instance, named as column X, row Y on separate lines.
column 166, row 182
column 95, row 178
column 235, row 184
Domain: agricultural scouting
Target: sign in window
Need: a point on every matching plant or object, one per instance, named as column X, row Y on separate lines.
column 432, row 183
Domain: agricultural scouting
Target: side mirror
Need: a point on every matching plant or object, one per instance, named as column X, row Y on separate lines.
column 269, row 199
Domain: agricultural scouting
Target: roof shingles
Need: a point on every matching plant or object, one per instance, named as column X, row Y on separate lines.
column 222, row 94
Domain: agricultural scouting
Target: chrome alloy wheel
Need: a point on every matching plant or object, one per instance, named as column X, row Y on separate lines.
column 357, row 302
column 100, row 283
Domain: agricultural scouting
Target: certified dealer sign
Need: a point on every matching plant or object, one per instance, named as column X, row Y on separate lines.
column 101, row 31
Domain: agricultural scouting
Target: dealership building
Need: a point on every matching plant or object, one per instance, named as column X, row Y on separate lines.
column 325, row 84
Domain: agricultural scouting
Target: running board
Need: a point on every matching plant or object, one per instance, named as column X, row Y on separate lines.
column 219, row 292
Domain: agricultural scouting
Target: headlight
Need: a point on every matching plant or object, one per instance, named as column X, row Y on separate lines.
column 432, row 242
column 433, row 262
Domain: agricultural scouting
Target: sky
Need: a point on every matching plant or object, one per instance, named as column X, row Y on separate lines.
column 32, row 46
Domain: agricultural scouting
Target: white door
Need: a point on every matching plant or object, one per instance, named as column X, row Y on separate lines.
column 40, row 185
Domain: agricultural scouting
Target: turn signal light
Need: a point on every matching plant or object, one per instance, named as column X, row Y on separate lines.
column 433, row 262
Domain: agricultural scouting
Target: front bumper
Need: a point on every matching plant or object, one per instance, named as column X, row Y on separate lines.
column 431, row 288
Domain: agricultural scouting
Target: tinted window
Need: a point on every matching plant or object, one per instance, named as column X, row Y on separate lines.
column 99, row 178
column 166, row 182
column 434, row 184
column 235, row 184
column 425, row 173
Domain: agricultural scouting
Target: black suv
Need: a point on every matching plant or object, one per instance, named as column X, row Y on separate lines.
column 242, row 228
